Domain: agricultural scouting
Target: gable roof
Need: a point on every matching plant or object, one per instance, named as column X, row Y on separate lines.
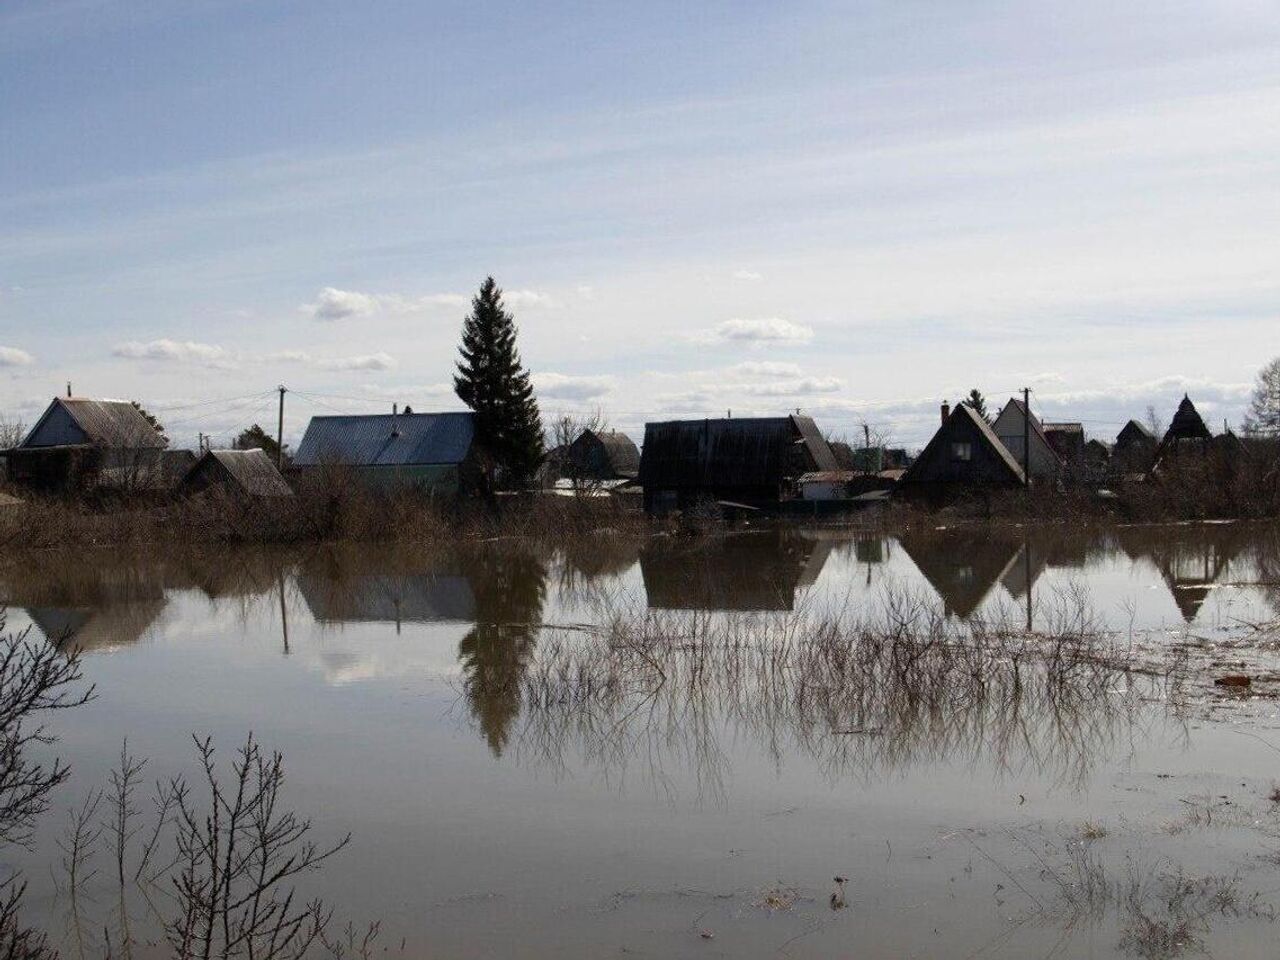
column 112, row 424
column 387, row 439
column 1187, row 424
column 1128, row 431
column 251, row 470
column 1037, row 428
column 985, row 433
column 619, row 449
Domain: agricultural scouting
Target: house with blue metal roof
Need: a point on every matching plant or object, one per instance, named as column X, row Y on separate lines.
column 433, row 451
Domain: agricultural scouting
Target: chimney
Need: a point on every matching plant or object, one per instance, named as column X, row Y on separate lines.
column 393, row 409
column 946, row 411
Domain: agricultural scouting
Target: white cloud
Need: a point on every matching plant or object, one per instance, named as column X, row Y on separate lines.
column 334, row 304
column 767, row 368
column 767, row 330
column 746, row 275
column 795, row 388
column 526, row 298
column 561, row 386
column 586, row 292
column 369, row 361
column 407, row 393
column 13, row 357
column 443, row 300
column 175, row 351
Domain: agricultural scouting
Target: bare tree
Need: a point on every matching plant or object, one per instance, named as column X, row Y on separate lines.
column 12, row 432
column 237, row 860
column 1263, row 418
column 34, row 678
column 1154, row 423
column 565, row 429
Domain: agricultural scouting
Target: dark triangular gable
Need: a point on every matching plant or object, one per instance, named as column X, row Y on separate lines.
column 964, row 424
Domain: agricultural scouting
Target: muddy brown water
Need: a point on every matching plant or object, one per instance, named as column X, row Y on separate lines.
column 1134, row 821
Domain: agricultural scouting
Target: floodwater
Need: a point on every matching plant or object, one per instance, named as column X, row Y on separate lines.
column 492, row 816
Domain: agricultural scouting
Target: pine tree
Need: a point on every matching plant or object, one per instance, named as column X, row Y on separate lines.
column 978, row 402
column 155, row 424
column 255, row 436
column 492, row 381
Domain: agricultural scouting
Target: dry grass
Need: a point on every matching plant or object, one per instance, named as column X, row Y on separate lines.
column 327, row 508
column 883, row 689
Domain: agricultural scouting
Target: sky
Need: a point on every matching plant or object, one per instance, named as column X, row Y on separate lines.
column 857, row 210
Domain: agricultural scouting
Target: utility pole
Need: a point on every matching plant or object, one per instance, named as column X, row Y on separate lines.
column 280, row 431
column 1026, row 436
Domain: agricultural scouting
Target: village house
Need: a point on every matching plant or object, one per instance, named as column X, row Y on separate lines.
column 749, row 461
column 237, row 473
column 1134, row 448
column 1011, row 427
column 964, row 454
column 81, row 444
column 435, row 452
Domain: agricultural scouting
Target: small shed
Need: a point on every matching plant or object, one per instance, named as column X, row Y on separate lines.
column 79, row 443
column 245, row 473
column 963, row 454
column 602, row 455
column 825, row 484
column 1067, row 440
column 435, row 452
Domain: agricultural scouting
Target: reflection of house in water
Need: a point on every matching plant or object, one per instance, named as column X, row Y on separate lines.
column 388, row 598
column 748, row 571
column 87, row 605
column 1191, row 559
column 961, row 565
column 1021, row 576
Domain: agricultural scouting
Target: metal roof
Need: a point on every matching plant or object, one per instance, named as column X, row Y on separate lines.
column 387, row 439
column 251, row 470
column 114, row 424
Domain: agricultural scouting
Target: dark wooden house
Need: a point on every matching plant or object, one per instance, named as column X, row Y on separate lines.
column 752, row 461
column 602, row 455
column 80, row 444
column 963, row 455
column 236, row 473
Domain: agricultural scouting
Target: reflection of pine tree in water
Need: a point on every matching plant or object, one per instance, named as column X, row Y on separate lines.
column 510, row 588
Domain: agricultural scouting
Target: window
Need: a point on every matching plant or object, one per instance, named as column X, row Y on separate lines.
column 962, row 451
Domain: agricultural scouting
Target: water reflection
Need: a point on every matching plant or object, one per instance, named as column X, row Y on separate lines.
column 500, row 595
column 963, row 566
column 1192, row 560
column 84, row 605
column 742, row 572
column 510, row 593
column 338, row 587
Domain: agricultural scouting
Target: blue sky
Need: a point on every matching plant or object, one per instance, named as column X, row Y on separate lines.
column 857, row 209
